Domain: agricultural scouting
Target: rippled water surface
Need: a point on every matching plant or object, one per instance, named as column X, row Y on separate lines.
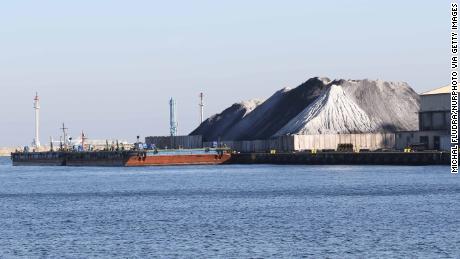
column 230, row 211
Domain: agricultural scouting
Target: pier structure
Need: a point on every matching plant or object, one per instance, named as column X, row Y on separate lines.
column 344, row 158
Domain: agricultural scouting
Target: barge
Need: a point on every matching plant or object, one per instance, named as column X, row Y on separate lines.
column 204, row 156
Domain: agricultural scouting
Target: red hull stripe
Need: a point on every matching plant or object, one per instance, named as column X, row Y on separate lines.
column 177, row 160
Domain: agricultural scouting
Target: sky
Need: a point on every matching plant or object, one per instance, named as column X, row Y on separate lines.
column 109, row 67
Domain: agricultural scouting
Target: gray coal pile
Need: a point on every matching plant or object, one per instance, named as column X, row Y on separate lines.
column 319, row 106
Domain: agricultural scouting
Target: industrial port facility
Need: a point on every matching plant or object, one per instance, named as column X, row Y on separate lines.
column 424, row 146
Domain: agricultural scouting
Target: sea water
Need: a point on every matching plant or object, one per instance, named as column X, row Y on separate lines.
column 229, row 211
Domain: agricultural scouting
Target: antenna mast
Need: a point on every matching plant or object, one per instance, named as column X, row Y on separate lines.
column 201, row 107
column 64, row 135
column 37, row 120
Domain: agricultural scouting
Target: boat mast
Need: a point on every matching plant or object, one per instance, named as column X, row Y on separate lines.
column 83, row 138
column 64, row 135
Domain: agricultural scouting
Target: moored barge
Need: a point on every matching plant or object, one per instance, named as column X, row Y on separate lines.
column 204, row 156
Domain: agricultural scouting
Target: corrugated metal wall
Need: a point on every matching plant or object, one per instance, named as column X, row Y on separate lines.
column 175, row 142
column 284, row 143
column 371, row 141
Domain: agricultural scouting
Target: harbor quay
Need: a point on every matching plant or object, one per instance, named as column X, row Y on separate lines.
column 344, row 158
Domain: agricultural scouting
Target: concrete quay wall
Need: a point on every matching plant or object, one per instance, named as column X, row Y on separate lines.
column 344, row 158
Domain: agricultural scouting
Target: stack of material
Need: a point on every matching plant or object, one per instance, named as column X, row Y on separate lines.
column 319, row 106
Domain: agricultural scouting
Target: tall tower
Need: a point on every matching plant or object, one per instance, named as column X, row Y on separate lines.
column 201, row 108
column 172, row 117
column 36, row 142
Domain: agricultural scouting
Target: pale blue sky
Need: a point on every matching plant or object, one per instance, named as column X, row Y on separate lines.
column 109, row 67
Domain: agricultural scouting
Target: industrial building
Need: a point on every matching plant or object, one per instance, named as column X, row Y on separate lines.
column 434, row 122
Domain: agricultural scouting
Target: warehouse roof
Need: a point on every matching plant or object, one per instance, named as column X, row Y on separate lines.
column 440, row 90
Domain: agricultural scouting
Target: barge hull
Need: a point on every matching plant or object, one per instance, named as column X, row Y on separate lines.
column 38, row 163
column 178, row 160
column 115, row 158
